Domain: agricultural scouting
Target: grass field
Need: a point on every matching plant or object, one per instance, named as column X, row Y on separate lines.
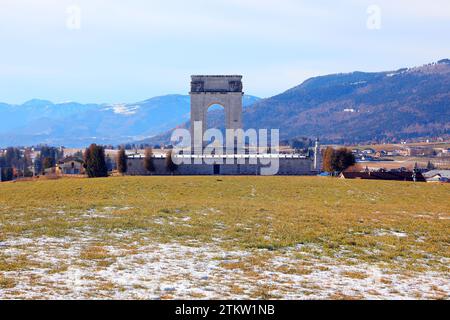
column 224, row 237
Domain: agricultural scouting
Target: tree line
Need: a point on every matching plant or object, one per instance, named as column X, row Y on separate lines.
column 15, row 163
column 95, row 165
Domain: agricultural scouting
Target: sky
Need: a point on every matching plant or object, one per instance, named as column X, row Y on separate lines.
column 114, row 51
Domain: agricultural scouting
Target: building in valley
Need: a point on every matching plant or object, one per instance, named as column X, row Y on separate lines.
column 227, row 92
column 70, row 166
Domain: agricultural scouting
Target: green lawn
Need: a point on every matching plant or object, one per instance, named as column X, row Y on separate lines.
column 219, row 237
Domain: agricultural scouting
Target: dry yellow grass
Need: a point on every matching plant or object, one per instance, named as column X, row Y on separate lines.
column 94, row 253
column 354, row 275
column 6, row 283
column 247, row 212
column 293, row 221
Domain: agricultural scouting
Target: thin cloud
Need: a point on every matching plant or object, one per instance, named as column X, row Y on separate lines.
column 131, row 50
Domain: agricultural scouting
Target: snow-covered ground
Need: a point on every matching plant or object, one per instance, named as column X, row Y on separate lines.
column 58, row 270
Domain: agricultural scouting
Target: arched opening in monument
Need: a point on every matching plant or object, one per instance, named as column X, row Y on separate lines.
column 216, row 101
column 216, row 119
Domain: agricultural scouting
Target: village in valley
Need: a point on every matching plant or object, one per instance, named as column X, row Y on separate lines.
column 431, row 159
column 201, row 150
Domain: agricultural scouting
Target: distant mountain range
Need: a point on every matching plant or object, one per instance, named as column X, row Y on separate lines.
column 73, row 124
column 357, row 107
column 353, row 107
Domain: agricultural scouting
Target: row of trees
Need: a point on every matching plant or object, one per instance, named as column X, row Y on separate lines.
column 336, row 161
column 96, row 167
column 14, row 163
column 17, row 163
column 122, row 163
column 97, row 164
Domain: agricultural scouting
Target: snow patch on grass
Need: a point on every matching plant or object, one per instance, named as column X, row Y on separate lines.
column 207, row 271
column 383, row 232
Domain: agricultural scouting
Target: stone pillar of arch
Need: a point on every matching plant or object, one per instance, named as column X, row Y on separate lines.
column 210, row 90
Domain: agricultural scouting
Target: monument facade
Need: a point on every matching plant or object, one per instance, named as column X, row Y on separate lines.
column 223, row 90
column 226, row 91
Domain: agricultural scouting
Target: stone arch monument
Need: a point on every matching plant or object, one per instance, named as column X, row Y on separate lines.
column 219, row 89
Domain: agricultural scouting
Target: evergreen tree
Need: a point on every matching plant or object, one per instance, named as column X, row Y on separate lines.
column 12, row 157
column 7, row 174
column 122, row 165
column 170, row 165
column 2, row 162
column 148, row 160
column 94, row 162
column 49, row 152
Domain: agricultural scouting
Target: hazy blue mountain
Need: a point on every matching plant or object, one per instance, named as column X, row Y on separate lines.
column 351, row 107
column 73, row 124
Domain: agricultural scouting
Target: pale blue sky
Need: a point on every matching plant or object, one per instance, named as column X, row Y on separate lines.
column 127, row 51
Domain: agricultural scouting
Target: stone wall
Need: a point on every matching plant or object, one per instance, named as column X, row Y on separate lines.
column 296, row 166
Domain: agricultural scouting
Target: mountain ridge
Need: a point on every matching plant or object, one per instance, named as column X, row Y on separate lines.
column 357, row 107
column 74, row 124
column 354, row 107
